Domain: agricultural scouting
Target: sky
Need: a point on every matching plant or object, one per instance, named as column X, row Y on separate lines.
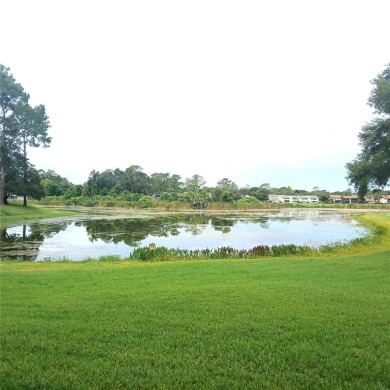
column 253, row 91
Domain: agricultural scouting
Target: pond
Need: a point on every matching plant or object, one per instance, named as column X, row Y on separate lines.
column 92, row 237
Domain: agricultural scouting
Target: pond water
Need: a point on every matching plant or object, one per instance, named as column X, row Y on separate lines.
column 91, row 237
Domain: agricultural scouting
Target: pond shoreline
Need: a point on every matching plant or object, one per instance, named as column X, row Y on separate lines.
column 119, row 232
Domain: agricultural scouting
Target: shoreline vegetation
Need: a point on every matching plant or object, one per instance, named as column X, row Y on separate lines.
column 299, row 322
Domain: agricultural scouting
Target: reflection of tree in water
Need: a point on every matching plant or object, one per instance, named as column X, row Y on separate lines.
column 195, row 223
column 130, row 231
column 264, row 222
column 194, row 229
column 223, row 225
column 49, row 230
column 286, row 220
column 223, row 229
column 25, row 244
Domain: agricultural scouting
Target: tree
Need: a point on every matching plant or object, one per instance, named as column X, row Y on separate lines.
column 262, row 192
column 33, row 124
column 11, row 94
column 55, row 185
column 380, row 95
column 195, row 183
column 195, row 193
column 371, row 168
column 91, row 186
column 136, row 181
column 226, row 190
column 20, row 126
column 285, row 191
column 21, row 180
column 107, row 180
column 175, row 183
column 164, row 182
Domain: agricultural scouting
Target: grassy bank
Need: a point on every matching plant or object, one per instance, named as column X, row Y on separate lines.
column 287, row 323
column 17, row 213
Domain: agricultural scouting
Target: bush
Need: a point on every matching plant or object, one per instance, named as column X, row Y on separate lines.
column 146, row 201
column 147, row 254
column 260, row 251
column 248, row 199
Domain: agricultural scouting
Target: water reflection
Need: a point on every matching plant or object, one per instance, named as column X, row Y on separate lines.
column 83, row 238
column 24, row 242
column 133, row 231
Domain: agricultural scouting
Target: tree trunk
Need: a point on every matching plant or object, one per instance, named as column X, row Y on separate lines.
column 25, row 170
column 2, row 185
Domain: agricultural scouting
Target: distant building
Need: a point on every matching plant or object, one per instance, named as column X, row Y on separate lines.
column 370, row 199
column 293, row 198
column 344, row 198
column 384, row 199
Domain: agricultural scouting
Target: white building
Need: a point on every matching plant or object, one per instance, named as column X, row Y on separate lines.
column 293, row 198
column 385, row 199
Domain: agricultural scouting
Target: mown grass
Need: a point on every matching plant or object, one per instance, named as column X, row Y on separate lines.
column 287, row 323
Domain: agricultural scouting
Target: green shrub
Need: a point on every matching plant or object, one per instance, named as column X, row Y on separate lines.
column 260, row 251
column 145, row 201
column 249, row 199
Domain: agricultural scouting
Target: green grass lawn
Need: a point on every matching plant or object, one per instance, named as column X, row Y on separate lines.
column 234, row 324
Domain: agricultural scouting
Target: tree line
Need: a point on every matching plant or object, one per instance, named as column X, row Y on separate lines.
column 132, row 183
column 23, row 126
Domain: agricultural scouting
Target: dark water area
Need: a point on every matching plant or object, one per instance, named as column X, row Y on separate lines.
column 78, row 239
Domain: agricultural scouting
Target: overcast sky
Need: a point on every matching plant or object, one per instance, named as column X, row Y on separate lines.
column 255, row 91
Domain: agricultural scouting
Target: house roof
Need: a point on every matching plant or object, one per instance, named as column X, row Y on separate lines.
column 343, row 196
